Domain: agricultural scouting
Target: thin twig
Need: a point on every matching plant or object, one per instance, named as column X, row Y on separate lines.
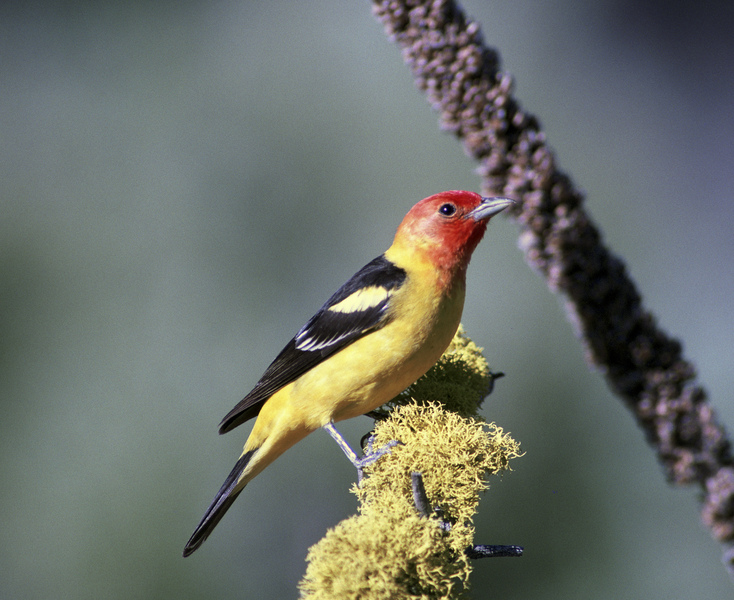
column 483, row 551
column 423, row 506
column 420, row 498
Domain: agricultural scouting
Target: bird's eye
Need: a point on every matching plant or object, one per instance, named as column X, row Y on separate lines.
column 447, row 209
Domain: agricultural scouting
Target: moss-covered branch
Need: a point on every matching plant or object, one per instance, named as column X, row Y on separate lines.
column 393, row 548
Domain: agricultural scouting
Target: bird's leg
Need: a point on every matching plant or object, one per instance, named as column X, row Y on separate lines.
column 370, row 456
column 346, row 448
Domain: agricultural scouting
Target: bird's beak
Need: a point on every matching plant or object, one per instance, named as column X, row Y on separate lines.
column 489, row 207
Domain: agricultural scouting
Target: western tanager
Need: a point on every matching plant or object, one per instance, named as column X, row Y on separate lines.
column 376, row 335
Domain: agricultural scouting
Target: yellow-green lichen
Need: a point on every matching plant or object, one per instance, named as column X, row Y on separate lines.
column 454, row 454
column 388, row 550
column 382, row 557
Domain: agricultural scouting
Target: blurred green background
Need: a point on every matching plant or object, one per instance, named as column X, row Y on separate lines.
column 184, row 183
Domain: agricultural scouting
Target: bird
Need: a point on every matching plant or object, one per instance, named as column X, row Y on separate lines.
column 381, row 331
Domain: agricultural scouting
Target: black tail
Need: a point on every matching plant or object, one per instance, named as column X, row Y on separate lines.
column 222, row 501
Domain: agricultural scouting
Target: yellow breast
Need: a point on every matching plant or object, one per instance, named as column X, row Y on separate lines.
column 378, row 366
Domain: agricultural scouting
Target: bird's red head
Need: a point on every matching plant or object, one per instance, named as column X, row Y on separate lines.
column 447, row 227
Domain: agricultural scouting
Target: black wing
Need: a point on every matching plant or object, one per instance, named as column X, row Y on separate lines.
column 358, row 307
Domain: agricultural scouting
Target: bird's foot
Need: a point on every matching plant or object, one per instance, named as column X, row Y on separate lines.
column 370, row 456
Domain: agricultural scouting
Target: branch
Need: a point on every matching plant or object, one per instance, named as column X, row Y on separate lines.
column 423, row 506
column 414, row 536
column 643, row 365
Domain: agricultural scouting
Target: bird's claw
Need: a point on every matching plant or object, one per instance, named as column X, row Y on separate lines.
column 370, row 456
